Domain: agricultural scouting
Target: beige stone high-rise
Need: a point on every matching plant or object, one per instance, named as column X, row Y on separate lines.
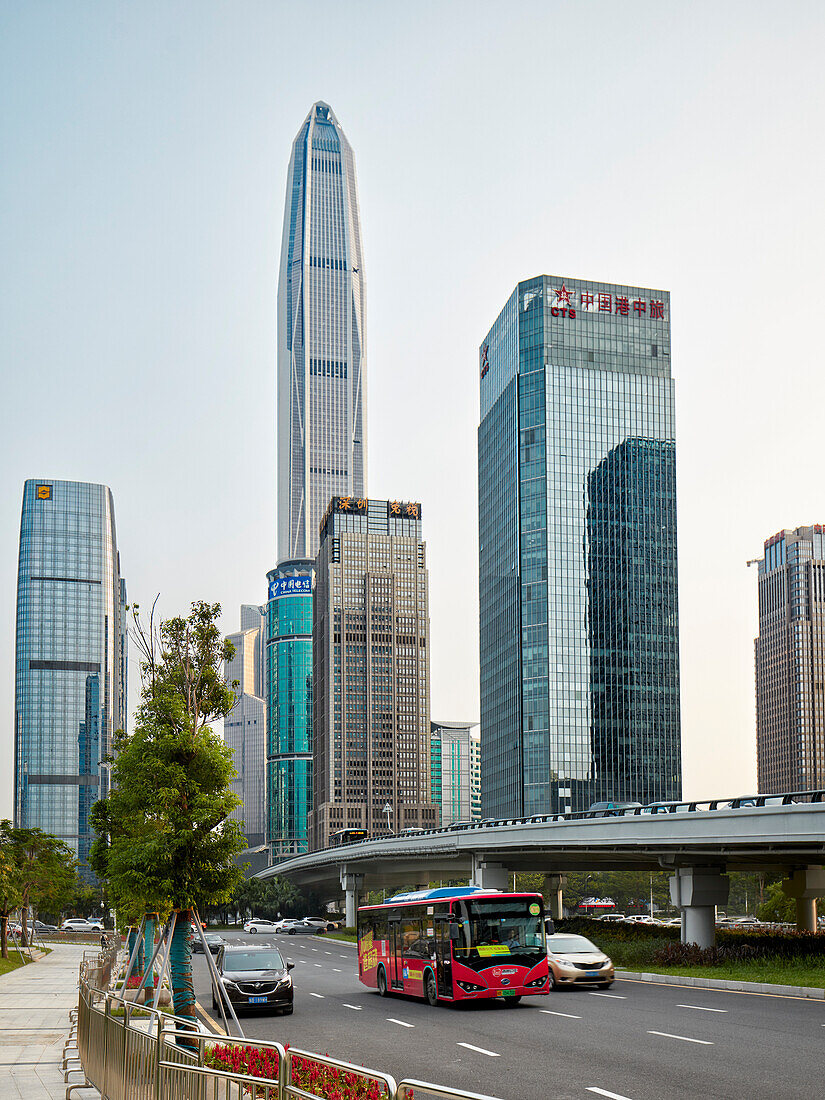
column 790, row 662
column 371, row 672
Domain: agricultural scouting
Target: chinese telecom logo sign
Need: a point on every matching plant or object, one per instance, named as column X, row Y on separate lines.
column 290, row 586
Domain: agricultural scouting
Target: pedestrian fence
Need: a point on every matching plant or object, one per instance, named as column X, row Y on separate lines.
column 133, row 1052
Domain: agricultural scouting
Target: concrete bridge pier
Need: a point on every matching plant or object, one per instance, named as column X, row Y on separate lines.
column 697, row 891
column 489, row 876
column 805, row 886
column 351, row 885
column 553, row 890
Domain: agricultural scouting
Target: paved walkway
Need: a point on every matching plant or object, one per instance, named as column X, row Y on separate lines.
column 34, row 1021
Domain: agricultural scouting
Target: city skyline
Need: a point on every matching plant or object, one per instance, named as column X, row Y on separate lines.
column 140, row 212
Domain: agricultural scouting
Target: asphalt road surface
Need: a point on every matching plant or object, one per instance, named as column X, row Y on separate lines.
column 637, row 1041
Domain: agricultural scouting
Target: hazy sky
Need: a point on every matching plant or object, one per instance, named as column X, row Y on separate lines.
column 143, row 156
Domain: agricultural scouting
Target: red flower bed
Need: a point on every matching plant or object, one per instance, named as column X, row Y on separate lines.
column 325, row 1082
column 135, row 981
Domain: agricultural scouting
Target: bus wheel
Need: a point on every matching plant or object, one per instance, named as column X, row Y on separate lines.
column 382, row 981
column 511, row 1002
column 429, row 989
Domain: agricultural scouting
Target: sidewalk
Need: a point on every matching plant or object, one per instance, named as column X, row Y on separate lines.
column 34, row 1021
column 803, row 991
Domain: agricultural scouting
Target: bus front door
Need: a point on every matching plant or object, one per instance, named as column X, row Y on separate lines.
column 443, row 958
column 396, row 956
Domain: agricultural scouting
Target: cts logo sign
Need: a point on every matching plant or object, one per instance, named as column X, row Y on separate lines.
column 44, row 492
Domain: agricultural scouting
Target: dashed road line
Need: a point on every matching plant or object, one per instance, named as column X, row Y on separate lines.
column 614, row 996
column 355, row 1008
column 684, row 1038
column 479, row 1050
column 549, row 1012
column 611, row 1095
column 320, row 996
column 701, row 1008
column 319, row 964
column 401, row 1023
column 336, row 970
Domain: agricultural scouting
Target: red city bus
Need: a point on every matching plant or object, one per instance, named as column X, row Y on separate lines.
column 455, row 944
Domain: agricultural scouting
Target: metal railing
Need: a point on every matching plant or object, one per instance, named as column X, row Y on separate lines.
column 132, row 1052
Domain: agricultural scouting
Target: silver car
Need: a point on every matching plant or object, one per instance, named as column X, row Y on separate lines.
column 574, row 960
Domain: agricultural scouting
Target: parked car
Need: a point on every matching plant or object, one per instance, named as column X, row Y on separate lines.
column 44, row 929
column 574, row 960
column 254, row 977
column 260, row 924
column 77, row 924
column 213, row 941
column 614, row 917
column 96, row 923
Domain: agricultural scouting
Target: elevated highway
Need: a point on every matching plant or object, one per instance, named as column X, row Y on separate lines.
column 696, row 841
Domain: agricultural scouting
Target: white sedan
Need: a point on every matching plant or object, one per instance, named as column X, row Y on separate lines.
column 260, row 924
column 77, row 924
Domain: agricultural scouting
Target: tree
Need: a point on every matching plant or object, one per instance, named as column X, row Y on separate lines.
column 36, row 869
column 164, row 838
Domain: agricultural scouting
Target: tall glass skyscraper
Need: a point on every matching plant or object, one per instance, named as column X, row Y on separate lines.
column 70, row 667
column 577, row 550
column 321, row 341
column 289, row 707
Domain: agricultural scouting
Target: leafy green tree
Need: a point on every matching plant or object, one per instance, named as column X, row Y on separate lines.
column 629, row 889
column 266, row 897
column 164, row 838
column 11, row 888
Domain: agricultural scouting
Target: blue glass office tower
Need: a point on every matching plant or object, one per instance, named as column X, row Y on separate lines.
column 577, row 550
column 322, row 416
column 70, row 666
column 289, row 707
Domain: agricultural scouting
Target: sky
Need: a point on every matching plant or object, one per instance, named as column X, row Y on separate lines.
column 143, row 157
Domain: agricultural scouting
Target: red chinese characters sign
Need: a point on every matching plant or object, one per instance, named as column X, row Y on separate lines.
column 567, row 303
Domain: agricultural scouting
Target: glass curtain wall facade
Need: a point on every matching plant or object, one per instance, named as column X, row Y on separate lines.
column 452, row 775
column 577, row 556
column 70, row 660
column 790, row 662
column 321, row 335
column 289, row 707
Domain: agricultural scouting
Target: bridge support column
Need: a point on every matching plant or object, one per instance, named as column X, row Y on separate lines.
column 697, row 892
column 553, row 887
column 805, row 886
column 351, row 885
column 489, row 876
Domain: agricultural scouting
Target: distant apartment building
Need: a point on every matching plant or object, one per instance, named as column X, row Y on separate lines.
column 70, row 666
column 371, row 671
column 244, row 728
column 289, row 708
column 790, row 662
column 455, row 770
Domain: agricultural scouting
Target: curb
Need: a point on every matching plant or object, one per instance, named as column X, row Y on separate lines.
column 804, row 991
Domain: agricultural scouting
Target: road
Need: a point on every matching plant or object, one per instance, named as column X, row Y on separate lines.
column 637, row 1041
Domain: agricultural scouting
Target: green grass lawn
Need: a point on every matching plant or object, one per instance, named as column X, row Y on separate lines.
column 774, row 971
column 345, row 935
column 13, row 962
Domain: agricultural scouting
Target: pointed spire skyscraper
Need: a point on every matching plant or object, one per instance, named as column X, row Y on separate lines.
column 322, row 448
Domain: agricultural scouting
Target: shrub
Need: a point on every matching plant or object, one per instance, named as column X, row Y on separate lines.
column 325, row 1082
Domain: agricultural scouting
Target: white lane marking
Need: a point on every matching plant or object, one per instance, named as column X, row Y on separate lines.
column 318, row 964
column 684, row 1038
column 549, row 1012
column 615, row 996
column 355, row 1008
column 401, row 1023
column 479, row 1050
column 612, row 1095
column 343, row 956
column 313, row 948
column 336, row 970
column 701, row 1008
column 320, row 996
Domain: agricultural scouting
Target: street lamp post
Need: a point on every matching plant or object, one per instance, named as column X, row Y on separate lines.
column 388, row 811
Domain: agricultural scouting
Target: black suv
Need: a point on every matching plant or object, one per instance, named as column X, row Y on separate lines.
column 255, row 977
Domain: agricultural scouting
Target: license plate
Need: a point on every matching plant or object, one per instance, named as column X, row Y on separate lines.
column 508, row 993
column 258, row 1000
column 593, row 973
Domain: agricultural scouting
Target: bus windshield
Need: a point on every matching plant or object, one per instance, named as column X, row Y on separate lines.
column 495, row 927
